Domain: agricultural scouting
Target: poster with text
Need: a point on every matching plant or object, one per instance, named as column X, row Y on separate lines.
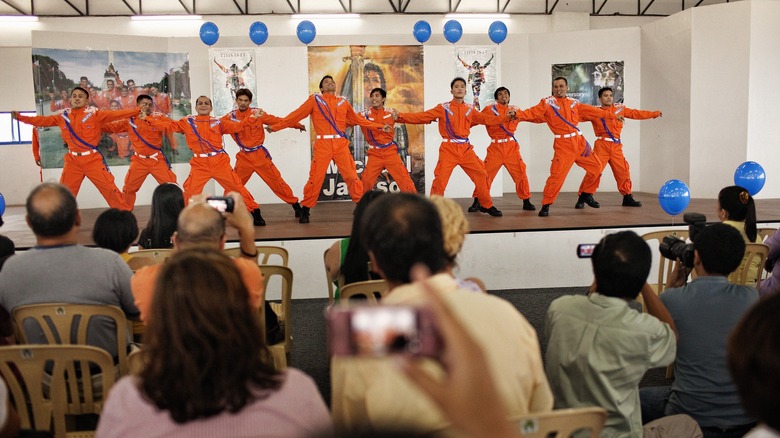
column 587, row 78
column 478, row 66
column 114, row 80
column 357, row 70
column 231, row 70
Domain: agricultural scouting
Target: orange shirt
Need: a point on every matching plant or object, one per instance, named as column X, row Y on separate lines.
column 209, row 131
column 461, row 117
column 377, row 137
column 495, row 131
column 570, row 109
column 143, row 281
column 615, row 126
column 253, row 133
column 86, row 122
column 337, row 109
column 140, row 128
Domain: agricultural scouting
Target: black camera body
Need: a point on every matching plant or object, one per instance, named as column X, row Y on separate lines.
column 674, row 248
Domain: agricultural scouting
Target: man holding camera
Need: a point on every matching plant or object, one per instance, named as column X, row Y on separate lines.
column 705, row 311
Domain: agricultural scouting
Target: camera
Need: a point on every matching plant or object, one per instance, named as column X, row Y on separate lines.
column 674, row 248
column 223, row 204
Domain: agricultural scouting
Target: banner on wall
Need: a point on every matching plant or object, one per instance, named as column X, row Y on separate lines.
column 231, row 70
column 586, row 78
column 114, row 80
column 478, row 65
column 357, row 70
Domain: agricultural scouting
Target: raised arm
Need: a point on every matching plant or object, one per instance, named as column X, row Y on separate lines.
column 656, row 307
column 590, row 112
column 489, row 119
column 115, row 127
column 110, row 116
column 37, row 120
column 294, row 117
column 354, row 119
column 421, row 118
column 636, row 114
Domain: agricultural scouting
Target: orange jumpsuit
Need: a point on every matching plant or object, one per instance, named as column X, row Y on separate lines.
column 84, row 160
column 254, row 157
column 383, row 153
column 455, row 122
column 504, row 150
column 148, row 157
column 569, row 146
column 209, row 159
column 330, row 115
column 609, row 149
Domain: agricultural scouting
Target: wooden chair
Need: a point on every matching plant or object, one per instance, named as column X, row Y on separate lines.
column 264, row 254
column 329, row 278
column 78, row 376
column 144, row 257
column 135, row 362
column 562, row 423
column 281, row 351
column 372, row 291
column 59, row 321
column 753, row 252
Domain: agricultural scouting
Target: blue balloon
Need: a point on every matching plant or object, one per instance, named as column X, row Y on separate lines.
column 751, row 176
column 2, row 204
column 422, row 31
column 497, row 32
column 674, row 197
column 452, row 31
column 306, row 31
column 209, row 33
column 258, row 32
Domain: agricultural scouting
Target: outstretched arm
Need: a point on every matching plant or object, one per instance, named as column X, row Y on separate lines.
column 489, row 61
column 294, row 117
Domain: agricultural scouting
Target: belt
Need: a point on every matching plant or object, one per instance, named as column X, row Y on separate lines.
column 210, row 154
column 454, row 140
column 503, row 140
column 328, row 137
column 81, row 154
column 153, row 156
column 569, row 135
column 617, row 140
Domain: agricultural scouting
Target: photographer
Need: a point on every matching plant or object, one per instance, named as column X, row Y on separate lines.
column 705, row 311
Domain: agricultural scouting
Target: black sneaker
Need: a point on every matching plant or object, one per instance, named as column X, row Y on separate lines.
column 545, row 211
column 629, row 201
column 475, row 207
column 297, row 208
column 304, row 215
column 527, row 205
column 258, row 218
column 493, row 211
column 586, row 198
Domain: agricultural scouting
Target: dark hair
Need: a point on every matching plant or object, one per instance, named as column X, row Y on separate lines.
column 370, row 66
column 382, row 92
column 355, row 266
column 244, row 92
column 54, row 218
column 115, row 230
column 458, row 79
column 207, row 98
column 79, row 88
column 754, row 358
column 323, row 80
column 740, row 206
column 167, row 203
column 602, row 90
column 495, row 95
column 204, row 351
column 142, row 97
column 561, row 78
column 401, row 230
column 720, row 247
column 621, row 264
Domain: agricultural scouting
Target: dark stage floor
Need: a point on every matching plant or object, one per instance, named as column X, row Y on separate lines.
column 334, row 219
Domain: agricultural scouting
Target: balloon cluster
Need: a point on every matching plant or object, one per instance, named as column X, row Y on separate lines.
column 453, row 31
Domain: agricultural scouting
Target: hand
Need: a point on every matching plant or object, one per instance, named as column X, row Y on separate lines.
column 387, row 128
column 302, row 128
column 660, row 114
column 679, row 275
column 394, row 113
column 240, row 218
column 512, row 114
column 268, row 128
column 15, row 115
column 621, row 118
column 38, row 163
column 142, row 115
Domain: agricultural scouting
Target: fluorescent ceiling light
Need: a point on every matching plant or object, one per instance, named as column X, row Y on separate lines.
column 17, row 18
column 484, row 16
column 323, row 16
column 166, row 17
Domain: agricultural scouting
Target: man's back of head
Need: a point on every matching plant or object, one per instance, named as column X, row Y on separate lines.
column 621, row 263
column 199, row 224
column 720, row 248
column 402, row 230
column 51, row 210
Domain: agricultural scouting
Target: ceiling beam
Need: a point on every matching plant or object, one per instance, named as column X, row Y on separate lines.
column 549, row 10
column 181, row 2
column 406, row 5
column 392, row 5
column 15, row 8
column 235, row 2
column 74, row 7
column 502, row 10
column 642, row 12
column 598, row 11
column 130, row 7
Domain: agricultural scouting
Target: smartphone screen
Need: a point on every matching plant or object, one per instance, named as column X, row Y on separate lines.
column 221, row 204
column 585, row 250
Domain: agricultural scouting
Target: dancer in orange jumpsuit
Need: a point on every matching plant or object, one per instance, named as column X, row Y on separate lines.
column 148, row 158
column 81, row 130
column 609, row 149
column 504, row 150
column 254, row 156
column 383, row 152
column 209, row 159
column 330, row 115
column 455, row 121
column 562, row 116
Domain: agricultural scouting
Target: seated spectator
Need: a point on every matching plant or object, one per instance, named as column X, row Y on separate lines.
column 59, row 270
column 7, row 247
column 771, row 285
column 116, row 230
column 348, row 258
column 705, row 311
column 167, row 203
column 455, row 227
column 737, row 208
column 754, row 355
column 402, row 230
column 207, row 371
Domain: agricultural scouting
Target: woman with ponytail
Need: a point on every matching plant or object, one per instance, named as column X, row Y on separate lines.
column 737, row 208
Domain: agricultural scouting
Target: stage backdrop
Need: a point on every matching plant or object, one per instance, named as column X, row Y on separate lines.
column 357, row 70
column 114, row 79
column 231, row 70
column 479, row 66
column 586, row 78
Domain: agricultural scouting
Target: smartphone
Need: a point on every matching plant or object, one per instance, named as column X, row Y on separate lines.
column 585, row 250
column 223, row 204
column 379, row 331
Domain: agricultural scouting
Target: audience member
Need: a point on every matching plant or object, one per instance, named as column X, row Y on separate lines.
column 207, row 371
column 737, row 208
column 771, row 285
column 754, row 360
column 116, row 230
column 59, row 270
column 455, row 227
column 9, row 418
column 347, row 260
column 7, row 248
column 705, row 311
column 402, row 230
column 167, row 203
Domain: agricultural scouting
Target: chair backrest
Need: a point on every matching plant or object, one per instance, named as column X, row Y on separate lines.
column 764, row 233
column 372, row 290
column 329, row 278
column 562, row 423
column 665, row 266
column 754, row 252
column 264, row 254
column 144, row 257
column 59, row 321
column 283, row 308
column 135, row 362
column 78, row 377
